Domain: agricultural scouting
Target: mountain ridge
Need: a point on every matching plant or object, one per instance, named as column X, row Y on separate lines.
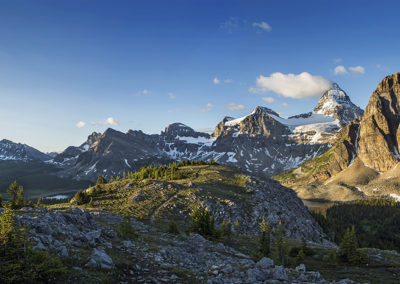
column 262, row 142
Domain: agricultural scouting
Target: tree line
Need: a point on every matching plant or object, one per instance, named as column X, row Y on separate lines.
column 376, row 222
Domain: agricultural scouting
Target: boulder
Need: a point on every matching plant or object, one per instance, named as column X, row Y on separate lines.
column 100, row 259
column 265, row 263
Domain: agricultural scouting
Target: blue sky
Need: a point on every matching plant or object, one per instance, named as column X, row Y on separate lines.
column 146, row 64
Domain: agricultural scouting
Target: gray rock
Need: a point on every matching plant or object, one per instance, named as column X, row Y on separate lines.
column 265, row 263
column 62, row 251
column 227, row 269
column 39, row 246
column 301, row 268
column 99, row 259
column 279, row 273
column 255, row 274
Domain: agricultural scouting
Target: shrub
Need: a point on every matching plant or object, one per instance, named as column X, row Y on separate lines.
column 126, row 230
column 173, row 228
column 81, row 198
column 203, row 224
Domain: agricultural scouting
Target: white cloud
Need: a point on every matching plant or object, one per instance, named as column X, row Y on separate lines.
column 233, row 106
column 254, row 90
column 268, row 99
column 227, row 81
column 81, row 124
column 294, row 86
column 208, row 108
column 262, row 26
column 143, row 92
column 340, row 70
column 171, row 96
column 216, row 81
column 285, row 104
column 111, row 121
column 337, row 60
column 357, row 70
column 230, row 25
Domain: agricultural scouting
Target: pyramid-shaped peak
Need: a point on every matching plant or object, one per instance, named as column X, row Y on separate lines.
column 264, row 109
column 336, row 103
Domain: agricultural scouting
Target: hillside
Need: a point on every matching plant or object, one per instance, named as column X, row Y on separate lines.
column 363, row 161
column 226, row 191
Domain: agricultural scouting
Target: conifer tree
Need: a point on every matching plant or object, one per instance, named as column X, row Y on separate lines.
column 348, row 247
column 265, row 238
column 7, row 225
column 236, row 226
column 101, row 180
column 17, row 194
column 278, row 249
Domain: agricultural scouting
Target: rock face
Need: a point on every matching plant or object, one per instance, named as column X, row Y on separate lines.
column 20, row 152
column 262, row 143
column 372, row 142
column 379, row 133
column 274, row 202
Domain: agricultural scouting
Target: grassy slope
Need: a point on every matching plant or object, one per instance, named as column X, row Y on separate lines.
column 161, row 200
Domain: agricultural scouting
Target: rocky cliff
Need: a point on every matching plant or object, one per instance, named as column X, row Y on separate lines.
column 366, row 149
column 379, row 132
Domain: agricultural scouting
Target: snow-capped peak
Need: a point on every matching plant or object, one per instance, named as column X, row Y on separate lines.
column 336, row 103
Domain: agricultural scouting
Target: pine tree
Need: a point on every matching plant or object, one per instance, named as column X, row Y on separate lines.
column 101, row 180
column 7, row 226
column 91, row 202
column 285, row 251
column 300, row 256
column 173, row 228
column 277, row 249
column 17, row 194
column 236, row 226
column 265, row 238
column 348, row 247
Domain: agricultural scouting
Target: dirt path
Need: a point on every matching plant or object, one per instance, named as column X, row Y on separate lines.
column 161, row 206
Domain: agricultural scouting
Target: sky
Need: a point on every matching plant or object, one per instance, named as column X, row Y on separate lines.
column 68, row 68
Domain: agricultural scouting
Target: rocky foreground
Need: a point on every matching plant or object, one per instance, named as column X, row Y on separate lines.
column 91, row 245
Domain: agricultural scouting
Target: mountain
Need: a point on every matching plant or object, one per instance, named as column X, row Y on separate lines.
column 364, row 159
column 20, row 152
column 336, row 103
column 32, row 170
column 262, row 142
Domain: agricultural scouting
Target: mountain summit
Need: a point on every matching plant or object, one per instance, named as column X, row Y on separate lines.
column 20, row 152
column 336, row 103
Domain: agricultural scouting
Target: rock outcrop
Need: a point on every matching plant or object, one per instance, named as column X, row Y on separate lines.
column 154, row 258
column 380, row 133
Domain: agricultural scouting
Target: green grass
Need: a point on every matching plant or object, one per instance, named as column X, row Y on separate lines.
column 159, row 201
